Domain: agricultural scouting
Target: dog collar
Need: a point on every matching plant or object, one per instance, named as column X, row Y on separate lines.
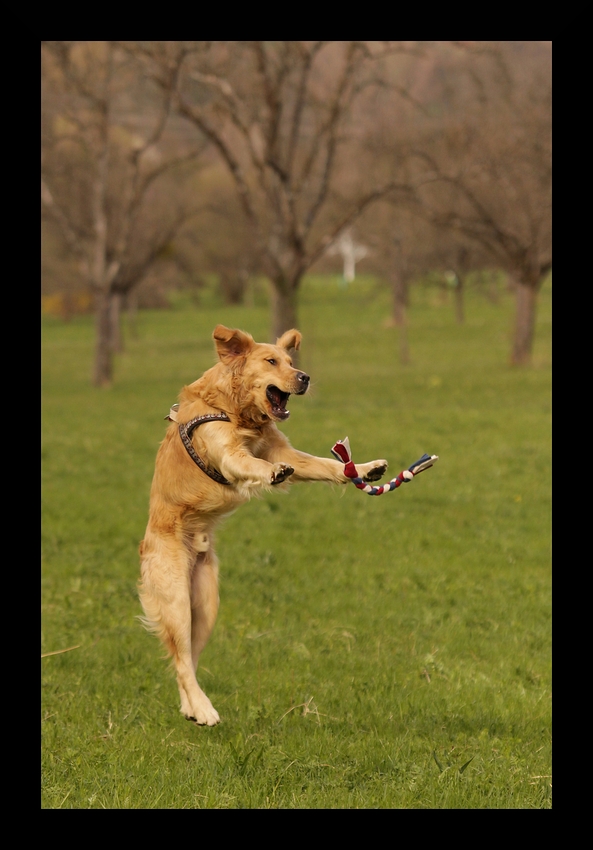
column 185, row 432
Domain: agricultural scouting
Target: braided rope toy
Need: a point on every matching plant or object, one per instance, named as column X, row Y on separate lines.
column 342, row 452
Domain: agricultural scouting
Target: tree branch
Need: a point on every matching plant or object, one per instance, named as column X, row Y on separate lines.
column 337, row 109
column 200, row 121
column 355, row 212
column 71, row 236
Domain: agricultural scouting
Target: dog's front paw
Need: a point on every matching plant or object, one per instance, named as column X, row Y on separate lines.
column 372, row 471
column 280, row 472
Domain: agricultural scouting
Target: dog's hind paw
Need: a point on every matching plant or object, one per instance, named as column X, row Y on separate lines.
column 281, row 472
column 204, row 718
column 201, row 712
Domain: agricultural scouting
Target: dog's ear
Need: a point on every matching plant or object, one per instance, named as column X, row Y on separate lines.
column 231, row 343
column 290, row 339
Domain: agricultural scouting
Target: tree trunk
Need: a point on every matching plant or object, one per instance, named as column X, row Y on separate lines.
column 458, row 296
column 103, row 366
column 115, row 333
column 284, row 306
column 399, row 318
column 526, row 293
column 401, row 325
column 400, row 298
column 132, row 307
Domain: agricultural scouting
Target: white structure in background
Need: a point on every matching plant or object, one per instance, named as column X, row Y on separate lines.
column 351, row 253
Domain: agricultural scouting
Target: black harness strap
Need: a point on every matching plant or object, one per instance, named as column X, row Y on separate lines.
column 185, row 432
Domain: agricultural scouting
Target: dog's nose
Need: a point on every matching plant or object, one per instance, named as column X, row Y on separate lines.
column 303, row 380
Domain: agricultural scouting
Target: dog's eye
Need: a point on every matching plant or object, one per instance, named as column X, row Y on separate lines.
column 271, row 361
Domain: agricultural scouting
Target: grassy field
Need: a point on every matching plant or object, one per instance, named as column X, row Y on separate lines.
column 389, row 652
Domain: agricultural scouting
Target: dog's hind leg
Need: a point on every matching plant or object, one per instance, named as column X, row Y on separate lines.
column 168, row 609
column 204, row 596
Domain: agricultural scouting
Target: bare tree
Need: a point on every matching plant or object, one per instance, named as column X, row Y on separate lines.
column 487, row 167
column 107, row 143
column 406, row 249
column 282, row 117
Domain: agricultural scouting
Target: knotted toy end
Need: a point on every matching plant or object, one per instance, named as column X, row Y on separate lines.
column 341, row 450
column 425, row 462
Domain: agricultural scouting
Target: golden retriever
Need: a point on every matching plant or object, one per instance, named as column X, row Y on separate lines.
column 222, row 447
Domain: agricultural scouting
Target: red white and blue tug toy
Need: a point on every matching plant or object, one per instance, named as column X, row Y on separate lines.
column 341, row 451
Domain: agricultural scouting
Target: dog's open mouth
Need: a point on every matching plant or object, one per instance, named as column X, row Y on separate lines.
column 278, row 400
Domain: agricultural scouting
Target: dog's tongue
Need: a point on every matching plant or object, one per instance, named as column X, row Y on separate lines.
column 279, row 398
column 278, row 401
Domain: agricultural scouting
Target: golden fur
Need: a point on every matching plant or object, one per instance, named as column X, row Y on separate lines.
column 179, row 569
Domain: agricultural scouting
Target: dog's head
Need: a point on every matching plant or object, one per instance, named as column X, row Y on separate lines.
column 262, row 375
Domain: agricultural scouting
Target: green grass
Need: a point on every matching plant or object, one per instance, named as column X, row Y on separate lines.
column 388, row 652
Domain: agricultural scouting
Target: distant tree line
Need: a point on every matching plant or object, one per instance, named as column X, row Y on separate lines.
column 258, row 157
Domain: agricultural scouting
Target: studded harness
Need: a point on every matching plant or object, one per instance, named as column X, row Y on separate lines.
column 185, row 432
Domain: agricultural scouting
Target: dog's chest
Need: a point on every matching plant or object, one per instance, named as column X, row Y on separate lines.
column 255, row 443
